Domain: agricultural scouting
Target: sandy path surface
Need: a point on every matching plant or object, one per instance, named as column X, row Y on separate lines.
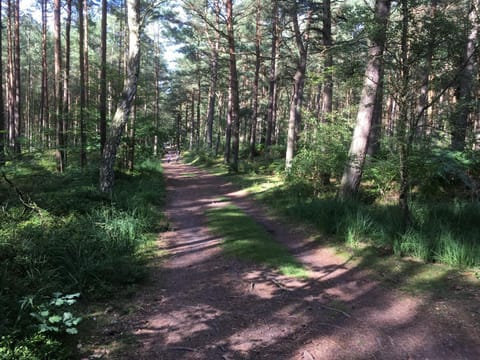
column 203, row 305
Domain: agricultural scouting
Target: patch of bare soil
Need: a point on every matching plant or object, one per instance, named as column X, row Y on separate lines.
column 204, row 305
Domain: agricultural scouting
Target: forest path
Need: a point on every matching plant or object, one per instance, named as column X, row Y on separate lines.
column 204, row 305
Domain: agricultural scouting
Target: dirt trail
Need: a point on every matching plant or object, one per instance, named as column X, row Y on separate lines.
column 204, row 305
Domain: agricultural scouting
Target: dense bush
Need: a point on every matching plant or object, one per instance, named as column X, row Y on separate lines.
column 321, row 159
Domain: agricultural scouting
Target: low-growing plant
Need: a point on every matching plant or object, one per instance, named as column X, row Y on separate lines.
column 52, row 315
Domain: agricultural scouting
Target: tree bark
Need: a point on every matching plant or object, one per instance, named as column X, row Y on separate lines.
column 298, row 85
column 83, row 84
column 66, row 79
column 272, row 88
column 103, row 78
column 60, row 148
column 2, row 105
column 327, row 90
column 464, row 96
column 44, row 103
column 233, row 98
column 258, row 36
column 214, row 49
column 124, row 107
column 352, row 174
column 17, row 111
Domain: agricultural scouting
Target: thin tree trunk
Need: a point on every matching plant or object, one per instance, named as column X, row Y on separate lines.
column 83, row 84
column 213, row 77
column 192, row 121
column 258, row 36
column 103, row 78
column 327, row 89
column 124, row 107
column 233, row 98
column 402, row 141
column 60, row 150
column 66, row 80
column 44, row 103
column 358, row 148
column 298, row 85
column 157, row 101
column 131, row 139
column 17, row 115
column 85, row 51
column 464, row 97
column 423, row 99
column 272, row 89
column 2, row 105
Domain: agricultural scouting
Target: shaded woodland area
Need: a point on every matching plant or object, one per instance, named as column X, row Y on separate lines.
column 366, row 112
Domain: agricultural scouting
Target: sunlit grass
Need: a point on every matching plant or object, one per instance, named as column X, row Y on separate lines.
column 245, row 238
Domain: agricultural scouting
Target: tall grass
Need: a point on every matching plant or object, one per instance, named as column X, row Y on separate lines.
column 81, row 241
column 440, row 232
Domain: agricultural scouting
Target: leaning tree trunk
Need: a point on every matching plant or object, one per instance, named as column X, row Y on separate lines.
column 352, row 174
column 124, row 107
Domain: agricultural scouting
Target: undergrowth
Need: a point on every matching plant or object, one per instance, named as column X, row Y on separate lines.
column 62, row 237
column 441, row 229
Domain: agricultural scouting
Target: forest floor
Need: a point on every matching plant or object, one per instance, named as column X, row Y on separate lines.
column 202, row 304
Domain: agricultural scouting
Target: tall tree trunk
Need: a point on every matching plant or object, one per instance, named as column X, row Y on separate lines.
column 66, row 79
column 17, row 112
column 425, row 75
column 464, row 96
column 44, row 103
column 2, row 105
column 83, row 84
column 157, row 101
column 103, row 78
column 352, row 174
column 298, row 85
column 192, row 120
column 199, row 103
column 214, row 49
column 233, row 98
column 403, row 121
column 272, row 88
column 85, row 51
column 258, row 36
column 327, row 89
column 60, row 150
column 131, row 139
column 10, row 75
column 128, row 95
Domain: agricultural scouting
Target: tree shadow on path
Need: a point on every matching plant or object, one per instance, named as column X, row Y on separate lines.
column 205, row 305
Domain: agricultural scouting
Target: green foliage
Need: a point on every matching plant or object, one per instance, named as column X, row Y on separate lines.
column 51, row 315
column 321, row 158
column 245, row 238
column 38, row 346
column 80, row 242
